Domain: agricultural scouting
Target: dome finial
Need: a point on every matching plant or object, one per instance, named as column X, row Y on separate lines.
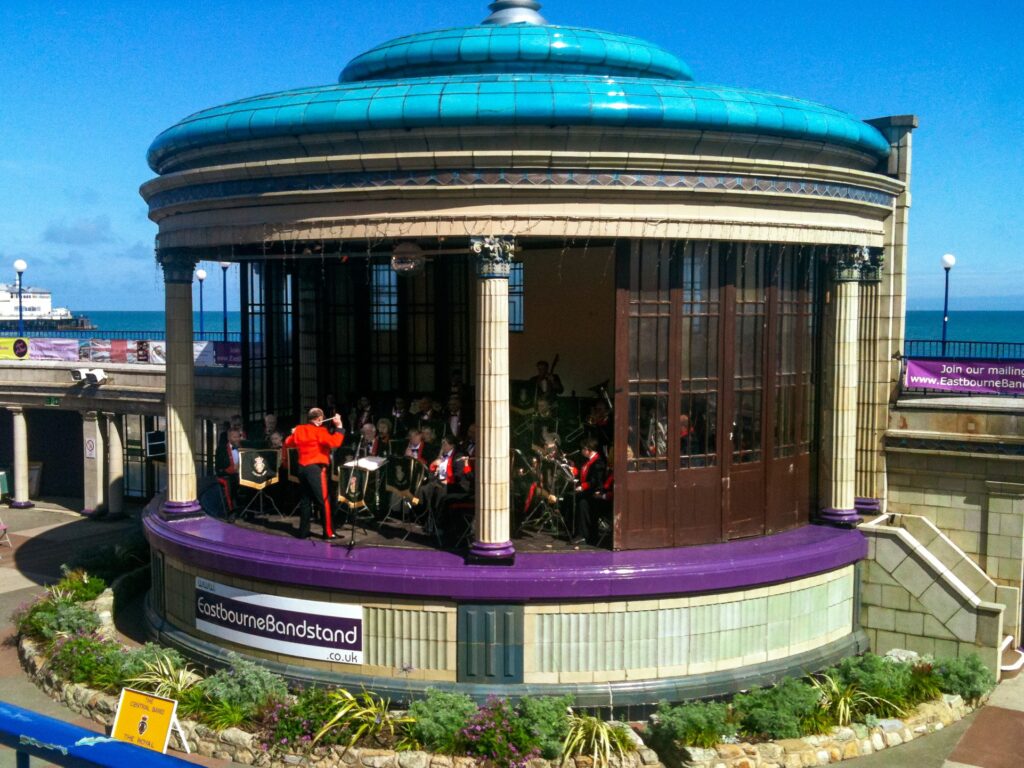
column 505, row 12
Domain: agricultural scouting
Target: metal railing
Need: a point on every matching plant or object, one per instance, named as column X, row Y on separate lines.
column 80, row 333
column 31, row 734
column 964, row 350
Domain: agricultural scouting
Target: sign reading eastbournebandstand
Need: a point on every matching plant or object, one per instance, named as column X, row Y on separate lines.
column 966, row 377
column 308, row 629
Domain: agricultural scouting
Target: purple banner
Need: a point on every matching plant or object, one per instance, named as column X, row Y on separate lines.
column 227, row 353
column 304, row 628
column 966, row 377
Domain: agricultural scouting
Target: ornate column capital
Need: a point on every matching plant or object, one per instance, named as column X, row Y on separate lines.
column 15, row 408
column 178, row 264
column 494, row 255
column 857, row 265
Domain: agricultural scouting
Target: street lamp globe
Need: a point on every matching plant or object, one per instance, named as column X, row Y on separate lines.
column 224, row 264
column 948, row 261
column 20, row 266
column 200, row 275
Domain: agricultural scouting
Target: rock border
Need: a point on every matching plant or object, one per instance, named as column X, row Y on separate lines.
column 240, row 746
column 843, row 743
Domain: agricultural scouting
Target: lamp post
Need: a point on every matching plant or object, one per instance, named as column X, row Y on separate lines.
column 948, row 260
column 20, row 266
column 201, row 276
column 224, row 288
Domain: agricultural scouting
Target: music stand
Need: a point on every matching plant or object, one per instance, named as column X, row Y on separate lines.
column 554, row 483
column 258, row 468
column 352, row 492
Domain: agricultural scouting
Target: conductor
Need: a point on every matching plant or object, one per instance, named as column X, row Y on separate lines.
column 315, row 443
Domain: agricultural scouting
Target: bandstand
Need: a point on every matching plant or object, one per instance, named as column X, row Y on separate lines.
column 729, row 264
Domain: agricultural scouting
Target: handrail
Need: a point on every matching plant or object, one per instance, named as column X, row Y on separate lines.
column 973, row 350
column 95, row 333
column 32, row 734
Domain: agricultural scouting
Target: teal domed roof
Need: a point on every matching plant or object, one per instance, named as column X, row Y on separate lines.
column 514, row 70
column 517, row 48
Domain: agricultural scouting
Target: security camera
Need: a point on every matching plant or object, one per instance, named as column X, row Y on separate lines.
column 95, row 376
column 79, row 374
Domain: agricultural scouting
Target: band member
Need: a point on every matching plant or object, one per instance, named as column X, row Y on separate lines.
column 545, row 383
column 225, row 464
column 415, row 446
column 431, row 450
column 470, row 445
column 591, row 491
column 454, row 420
column 369, row 445
column 598, row 425
column 401, row 419
column 450, row 481
column 384, row 436
column 361, row 415
column 315, row 443
column 545, row 421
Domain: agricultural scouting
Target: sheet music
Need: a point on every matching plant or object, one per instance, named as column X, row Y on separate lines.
column 369, row 463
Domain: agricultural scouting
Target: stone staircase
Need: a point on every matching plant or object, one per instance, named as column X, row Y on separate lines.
column 961, row 608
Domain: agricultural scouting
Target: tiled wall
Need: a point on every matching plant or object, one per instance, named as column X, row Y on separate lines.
column 637, row 640
column 575, row 643
column 977, row 501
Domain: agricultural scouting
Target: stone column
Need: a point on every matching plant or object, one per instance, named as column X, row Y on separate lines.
column 849, row 269
column 180, row 385
column 115, row 465
column 493, row 525
column 94, row 490
column 20, row 499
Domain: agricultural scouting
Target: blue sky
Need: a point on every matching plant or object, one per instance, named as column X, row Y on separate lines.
column 86, row 85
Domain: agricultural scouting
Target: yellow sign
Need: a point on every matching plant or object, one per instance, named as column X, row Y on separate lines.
column 13, row 349
column 144, row 720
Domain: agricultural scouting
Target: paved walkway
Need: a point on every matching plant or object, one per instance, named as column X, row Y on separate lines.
column 44, row 537
column 48, row 535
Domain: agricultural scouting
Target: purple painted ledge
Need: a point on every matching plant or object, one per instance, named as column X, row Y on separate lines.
column 222, row 548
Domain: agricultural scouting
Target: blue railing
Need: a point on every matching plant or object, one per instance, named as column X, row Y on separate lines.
column 54, row 741
column 964, row 350
column 79, row 333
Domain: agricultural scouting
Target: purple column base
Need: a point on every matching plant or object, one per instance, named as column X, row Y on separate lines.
column 22, row 505
column 867, row 506
column 181, row 510
column 842, row 518
column 485, row 553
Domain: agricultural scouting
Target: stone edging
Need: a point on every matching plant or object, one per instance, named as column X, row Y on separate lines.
column 240, row 746
column 841, row 744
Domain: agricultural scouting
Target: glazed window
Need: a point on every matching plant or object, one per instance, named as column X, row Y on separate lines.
column 699, row 338
column 516, row 320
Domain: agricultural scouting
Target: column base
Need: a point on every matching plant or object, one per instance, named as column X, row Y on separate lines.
column 487, row 553
column 22, row 505
column 95, row 514
column 867, row 506
column 841, row 518
column 181, row 510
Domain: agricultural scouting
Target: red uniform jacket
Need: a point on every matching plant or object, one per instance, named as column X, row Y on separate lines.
column 314, row 443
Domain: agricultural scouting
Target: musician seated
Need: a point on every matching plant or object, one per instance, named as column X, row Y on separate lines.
column 430, row 450
column 369, row 445
column 384, row 437
column 546, row 383
column 226, row 462
column 469, row 445
column 592, row 493
column 415, row 447
column 361, row 415
column 451, row 480
column 401, row 419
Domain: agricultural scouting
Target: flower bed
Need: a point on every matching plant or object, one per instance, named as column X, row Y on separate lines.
column 246, row 714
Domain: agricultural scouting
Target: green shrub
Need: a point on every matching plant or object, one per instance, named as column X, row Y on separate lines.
column 47, row 618
column 83, row 658
column 222, row 714
column 781, row 712
column 923, row 683
column 245, row 685
column 439, row 718
column 366, row 718
column 79, row 586
column 841, row 704
column 967, row 677
column 886, row 680
column 291, row 727
column 592, row 737
column 547, row 718
column 499, row 737
column 695, row 724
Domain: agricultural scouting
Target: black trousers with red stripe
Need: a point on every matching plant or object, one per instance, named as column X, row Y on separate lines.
column 313, row 482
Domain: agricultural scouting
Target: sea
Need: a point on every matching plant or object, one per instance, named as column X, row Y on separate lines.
column 924, row 325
